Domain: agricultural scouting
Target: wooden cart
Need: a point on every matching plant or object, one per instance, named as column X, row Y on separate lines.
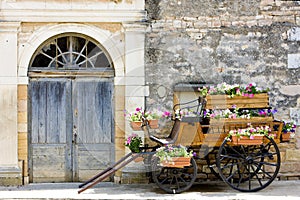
column 244, row 167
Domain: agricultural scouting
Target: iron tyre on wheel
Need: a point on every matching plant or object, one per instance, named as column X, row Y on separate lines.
column 248, row 168
column 174, row 180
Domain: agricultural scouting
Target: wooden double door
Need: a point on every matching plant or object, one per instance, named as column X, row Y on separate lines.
column 71, row 128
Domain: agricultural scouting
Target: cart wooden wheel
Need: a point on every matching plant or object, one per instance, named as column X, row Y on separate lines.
column 174, row 180
column 248, row 168
column 211, row 158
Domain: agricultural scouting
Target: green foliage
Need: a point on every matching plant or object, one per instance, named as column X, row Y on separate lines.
column 167, row 152
column 133, row 142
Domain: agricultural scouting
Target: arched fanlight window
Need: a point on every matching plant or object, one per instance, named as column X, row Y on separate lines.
column 70, row 52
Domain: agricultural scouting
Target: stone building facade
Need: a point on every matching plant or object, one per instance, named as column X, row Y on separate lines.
column 151, row 46
column 52, row 54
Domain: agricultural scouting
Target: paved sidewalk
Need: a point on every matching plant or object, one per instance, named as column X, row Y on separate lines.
column 206, row 190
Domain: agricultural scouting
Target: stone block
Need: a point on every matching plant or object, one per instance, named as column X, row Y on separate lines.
column 282, row 156
column 22, row 92
column 10, row 177
column 22, row 105
column 290, row 90
column 137, row 91
column 177, row 24
column 294, row 34
column 294, row 60
column 292, row 154
column 293, row 167
column 22, row 117
column 200, row 24
column 135, row 173
column 295, row 115
column 202, row 176
column 251, row 23
column 22, row 127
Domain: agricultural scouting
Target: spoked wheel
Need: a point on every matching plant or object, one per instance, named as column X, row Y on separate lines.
column 211, row 162
column 248, row 168
column 174, row 180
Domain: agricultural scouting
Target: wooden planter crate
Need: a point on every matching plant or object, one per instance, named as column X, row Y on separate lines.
column 177, row 162
column 253, row 120
column 244, row 140
column 218, row 129
column 285, row 137
column 223, row 101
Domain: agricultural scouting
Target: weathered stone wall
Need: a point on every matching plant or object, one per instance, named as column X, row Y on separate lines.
column 233, row 41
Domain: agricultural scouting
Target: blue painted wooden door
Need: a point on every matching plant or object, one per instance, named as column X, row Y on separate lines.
column 71, row 128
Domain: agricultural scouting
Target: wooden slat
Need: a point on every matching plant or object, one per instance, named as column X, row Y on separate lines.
column 223, row 101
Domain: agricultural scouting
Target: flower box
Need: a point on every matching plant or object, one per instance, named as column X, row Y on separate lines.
column 177, row 162
column 241, row 120
column 223, row 101
column 153, row 123
column 244, row 140
column 138, row 159
column 136, row 126
column 285, row 137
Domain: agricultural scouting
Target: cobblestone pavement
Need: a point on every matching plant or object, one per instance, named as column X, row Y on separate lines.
column 206, row 190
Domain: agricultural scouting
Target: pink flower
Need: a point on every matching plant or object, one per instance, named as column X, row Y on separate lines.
column 138, row 109
column 251, row 95
column 128, row 140
column 251, row 137
column 166, row 114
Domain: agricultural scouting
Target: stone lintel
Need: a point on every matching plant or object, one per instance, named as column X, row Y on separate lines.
column 73, row 15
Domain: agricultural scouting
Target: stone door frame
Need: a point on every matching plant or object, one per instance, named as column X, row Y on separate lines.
column 126, row 49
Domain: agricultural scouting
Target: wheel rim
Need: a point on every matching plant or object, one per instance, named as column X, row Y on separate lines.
column 248, row 168
column 174, row 180
column 211, row 158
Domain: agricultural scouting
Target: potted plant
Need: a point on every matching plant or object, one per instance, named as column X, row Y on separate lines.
column 174, row 156
column 288, row 129
column 134, row 142
column 153, row 117
column 135, row 118
column 249, row 136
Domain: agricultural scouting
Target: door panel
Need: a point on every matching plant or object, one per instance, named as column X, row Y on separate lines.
column 92, row 116
column 50, row 130
column 71, row 128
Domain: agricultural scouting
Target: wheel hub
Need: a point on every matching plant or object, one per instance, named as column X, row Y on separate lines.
column 175, row 172
column 249, row 160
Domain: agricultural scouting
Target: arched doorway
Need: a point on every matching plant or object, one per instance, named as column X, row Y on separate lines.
column 71, row 122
